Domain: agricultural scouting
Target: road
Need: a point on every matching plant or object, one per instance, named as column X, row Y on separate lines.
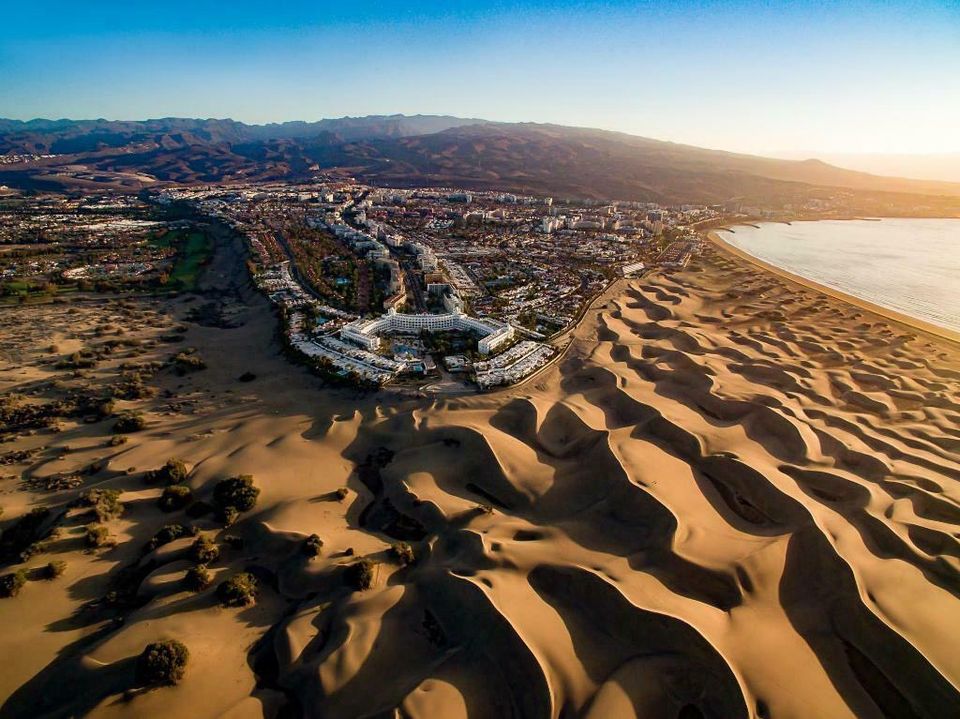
column 411, row 278
column 295, row 270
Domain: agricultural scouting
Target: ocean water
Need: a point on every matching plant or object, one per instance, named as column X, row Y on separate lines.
column 911, row 266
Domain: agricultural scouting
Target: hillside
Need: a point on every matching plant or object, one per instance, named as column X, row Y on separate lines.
column 415, row 151
column 584, row 162
column 72, row 136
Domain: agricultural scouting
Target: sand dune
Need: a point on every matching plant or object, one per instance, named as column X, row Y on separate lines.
column 732, row 497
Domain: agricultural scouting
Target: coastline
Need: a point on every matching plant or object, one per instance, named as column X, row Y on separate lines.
column 886, row 313
column 686, row 425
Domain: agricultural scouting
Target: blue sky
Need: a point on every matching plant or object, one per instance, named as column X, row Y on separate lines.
column 749, row 76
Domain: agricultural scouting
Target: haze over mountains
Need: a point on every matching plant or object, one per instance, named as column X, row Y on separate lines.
column 415, row 150
column 929, row 166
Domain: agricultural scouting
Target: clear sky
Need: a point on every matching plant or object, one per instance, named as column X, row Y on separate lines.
column 762, row 77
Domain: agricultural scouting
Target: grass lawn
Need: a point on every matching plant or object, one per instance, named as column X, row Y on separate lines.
column 193, row 251
column 17, row 285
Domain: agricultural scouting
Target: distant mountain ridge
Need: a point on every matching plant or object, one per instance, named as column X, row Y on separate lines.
column 45, row 136
column 416, row 150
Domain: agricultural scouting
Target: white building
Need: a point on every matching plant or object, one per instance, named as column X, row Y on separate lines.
column 365, row 333
column 550, row 224
column 425, row 256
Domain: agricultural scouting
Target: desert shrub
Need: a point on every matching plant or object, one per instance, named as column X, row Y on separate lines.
column 166, row 535
column 359, row 575
column 106, row 503
column 312, row 545
column 54, row 569
column 12, row 583
column 105, row 409
column 162, row 663
column 21, row 539
column 98, row 536
column 229, row 516
column 238, row 591
column 31, row 550
column 131, row 386
column 403, row 553
column 78, row 360
column 341, row 494
column 198, row 578
column 199, row 509
column 237, row 492
column 96, row 466
column 117, row 440
column 204, row 551
column 173, row 471
column 129, row 422
column 188, row 361
column 174, row 497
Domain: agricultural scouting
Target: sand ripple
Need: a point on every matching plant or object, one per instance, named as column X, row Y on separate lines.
column 730, row 498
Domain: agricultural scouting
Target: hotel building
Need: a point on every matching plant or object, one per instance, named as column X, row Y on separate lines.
column 493, row 334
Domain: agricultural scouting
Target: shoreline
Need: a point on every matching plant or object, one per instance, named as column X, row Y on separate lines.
column 886, row 313
column 686, row 422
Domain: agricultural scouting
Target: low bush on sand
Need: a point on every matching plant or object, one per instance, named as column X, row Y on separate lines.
column 97, row 535
column 12, row 583
column 238, row 591
column 162, row 663
column 229, row 516
column 105, row 409
column 129, row 422
column 204, row 551
column 175, row 497
column 403, row 553
column 166, row 535
column 173, row 471
column 188, row 361
column 359, row 575
column 198, row 578
column 237, row 492
column 22, row 539
column 105, row 503
column 312, row 545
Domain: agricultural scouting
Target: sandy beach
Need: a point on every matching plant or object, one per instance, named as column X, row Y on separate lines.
column 734, row 496
column 886, row 312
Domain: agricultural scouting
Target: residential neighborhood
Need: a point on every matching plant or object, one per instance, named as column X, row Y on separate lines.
column 410, row 287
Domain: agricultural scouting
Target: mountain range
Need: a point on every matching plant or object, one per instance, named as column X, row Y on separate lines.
column 419, row 150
